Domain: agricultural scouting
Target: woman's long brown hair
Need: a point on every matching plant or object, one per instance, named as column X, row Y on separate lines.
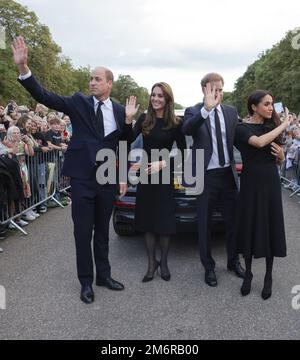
column 169, row 113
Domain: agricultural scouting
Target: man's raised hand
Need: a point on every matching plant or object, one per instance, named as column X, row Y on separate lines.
column 211, row 100
column 20, row 54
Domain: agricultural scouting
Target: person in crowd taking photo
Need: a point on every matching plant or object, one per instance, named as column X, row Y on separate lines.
column 68, row 123
column 155, row 204
column 20, row 146
column 38, row 136
column 65, row 136
column 260, row 224
column 212, row 126
column 98, row 123
column 41, row 110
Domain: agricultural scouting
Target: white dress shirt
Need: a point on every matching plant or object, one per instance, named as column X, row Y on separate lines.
column 214, row 161
column 26, row 76
column 109, row 120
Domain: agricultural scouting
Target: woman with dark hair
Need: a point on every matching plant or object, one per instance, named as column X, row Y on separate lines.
column 155, row 204
column 260, row 223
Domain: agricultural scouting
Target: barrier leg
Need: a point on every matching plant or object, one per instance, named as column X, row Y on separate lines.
column 295, row 192
column 57, row 202
column 18, row 227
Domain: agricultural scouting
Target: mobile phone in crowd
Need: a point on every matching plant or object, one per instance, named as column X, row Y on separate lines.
column 10, row 108
column 279, row 107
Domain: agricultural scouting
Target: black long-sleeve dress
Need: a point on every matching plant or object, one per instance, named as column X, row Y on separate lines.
column 260, row 222
column 155, row 204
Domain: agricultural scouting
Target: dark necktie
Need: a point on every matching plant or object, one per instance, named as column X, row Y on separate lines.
column 219, row 139
column 99, row 115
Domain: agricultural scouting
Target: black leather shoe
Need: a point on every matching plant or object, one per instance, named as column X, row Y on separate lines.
column 87, row 294
column 237, row 268
column 210, row 278
column 110, row 284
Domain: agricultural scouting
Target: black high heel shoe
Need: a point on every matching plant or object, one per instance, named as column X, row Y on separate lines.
column 246, row 287
column 267, row 289
column 148, row 277
column 165, row 276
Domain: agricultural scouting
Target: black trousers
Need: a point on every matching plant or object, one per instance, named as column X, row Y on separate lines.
column 219, row 187
column 92, row 206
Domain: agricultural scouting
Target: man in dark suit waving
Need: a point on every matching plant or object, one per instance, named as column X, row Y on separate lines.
column 98, row 123
column 212, row 126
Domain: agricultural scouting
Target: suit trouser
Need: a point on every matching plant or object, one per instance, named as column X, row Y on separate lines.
column 219, row 187
column 92, row 206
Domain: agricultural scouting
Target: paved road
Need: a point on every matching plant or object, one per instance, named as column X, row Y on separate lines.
column 38, row 272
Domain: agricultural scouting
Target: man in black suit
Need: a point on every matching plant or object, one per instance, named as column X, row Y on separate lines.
column 98, row 123
column 212, row 126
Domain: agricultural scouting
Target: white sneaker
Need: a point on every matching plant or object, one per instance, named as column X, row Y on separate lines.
column 1, row 250
column 28, row 216
column 22, row 223
column 33, row 213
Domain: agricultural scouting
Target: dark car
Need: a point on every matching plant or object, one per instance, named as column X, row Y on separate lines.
column 185, row 211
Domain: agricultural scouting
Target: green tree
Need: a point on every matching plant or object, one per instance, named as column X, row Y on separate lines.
column 45, row 57
column 125, row 86
column 178, row 106
column 228, row 98
column 276, row 70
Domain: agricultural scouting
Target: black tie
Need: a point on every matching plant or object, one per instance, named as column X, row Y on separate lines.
column 219, row 139
column 99, row 116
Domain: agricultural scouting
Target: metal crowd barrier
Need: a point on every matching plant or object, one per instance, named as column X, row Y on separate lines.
column 293, row 183
column 43, row 171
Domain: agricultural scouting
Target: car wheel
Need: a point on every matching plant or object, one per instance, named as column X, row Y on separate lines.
column 123, row 229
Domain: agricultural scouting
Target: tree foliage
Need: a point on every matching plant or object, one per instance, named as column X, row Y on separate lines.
column 53, row 70
column 276, row 70
column 125, row 86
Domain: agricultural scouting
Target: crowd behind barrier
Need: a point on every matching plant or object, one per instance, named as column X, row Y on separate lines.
column 32, row 148
column 290, row 169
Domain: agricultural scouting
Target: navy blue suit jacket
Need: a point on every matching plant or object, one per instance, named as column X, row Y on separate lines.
column 80, row 159
column 194, row 124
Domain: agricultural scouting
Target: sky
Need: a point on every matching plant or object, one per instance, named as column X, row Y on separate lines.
column 176, row 41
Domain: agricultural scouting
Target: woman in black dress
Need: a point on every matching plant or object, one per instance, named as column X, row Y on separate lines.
column 260, row 223
column 155, row 204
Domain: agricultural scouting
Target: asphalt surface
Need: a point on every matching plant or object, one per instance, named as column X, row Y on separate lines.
column 42, row 291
